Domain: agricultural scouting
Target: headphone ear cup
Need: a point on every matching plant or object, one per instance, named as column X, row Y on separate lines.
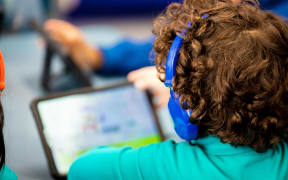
column 183, row 127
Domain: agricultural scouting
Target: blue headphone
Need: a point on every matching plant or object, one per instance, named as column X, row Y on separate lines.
column 183, row 127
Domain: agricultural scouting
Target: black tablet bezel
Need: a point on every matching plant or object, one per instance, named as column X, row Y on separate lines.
column 51, row 163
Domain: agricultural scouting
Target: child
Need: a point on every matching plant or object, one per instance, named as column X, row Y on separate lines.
column 5, row 172
column 232, row 73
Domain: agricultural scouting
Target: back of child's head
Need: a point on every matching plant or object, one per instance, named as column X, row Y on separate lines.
column 232, row 69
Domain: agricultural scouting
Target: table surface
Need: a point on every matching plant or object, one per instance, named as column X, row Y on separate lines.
column 24, row 59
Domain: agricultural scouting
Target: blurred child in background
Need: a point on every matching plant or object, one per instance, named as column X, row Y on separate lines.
column 5, row 172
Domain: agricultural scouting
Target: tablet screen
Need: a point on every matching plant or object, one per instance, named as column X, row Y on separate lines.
column 76, row 123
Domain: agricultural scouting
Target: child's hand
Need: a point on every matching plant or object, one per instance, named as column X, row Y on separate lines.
column 72, row 38
column 146, row 78
column 63, row 31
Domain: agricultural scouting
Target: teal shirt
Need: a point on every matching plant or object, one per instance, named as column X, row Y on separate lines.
column 7, row 174
column 206, row 158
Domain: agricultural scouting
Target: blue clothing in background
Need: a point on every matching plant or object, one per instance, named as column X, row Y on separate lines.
column 129, row 55
column 126, row 56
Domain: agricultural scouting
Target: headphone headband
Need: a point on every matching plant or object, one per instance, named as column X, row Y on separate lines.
column 2, row 73
column 172, row 60
column 173, row 55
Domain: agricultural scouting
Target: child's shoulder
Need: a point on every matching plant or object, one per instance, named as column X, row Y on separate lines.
column 210, row 155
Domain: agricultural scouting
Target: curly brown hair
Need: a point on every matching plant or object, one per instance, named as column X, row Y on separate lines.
column 232, row 69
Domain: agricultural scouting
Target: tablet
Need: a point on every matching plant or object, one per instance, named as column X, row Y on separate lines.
column 72, row 123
